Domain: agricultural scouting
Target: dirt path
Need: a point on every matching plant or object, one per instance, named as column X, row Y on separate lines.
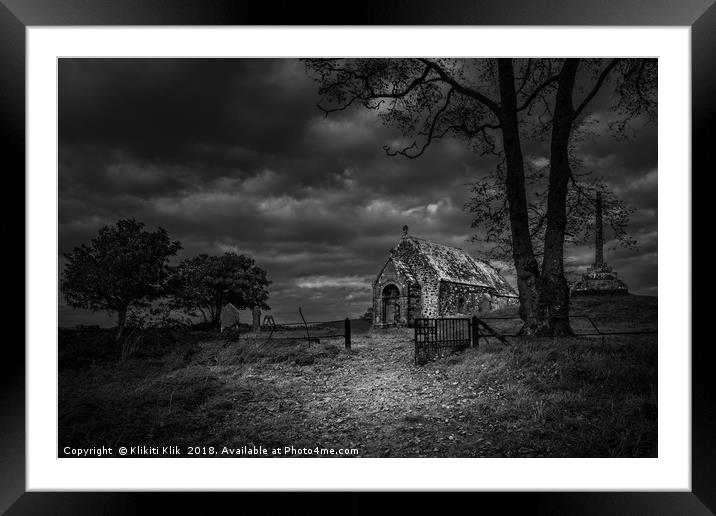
column 373, row 399
column 569, row 397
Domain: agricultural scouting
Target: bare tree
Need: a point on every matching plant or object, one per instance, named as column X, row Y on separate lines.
column 487, row 103
column 474, row 100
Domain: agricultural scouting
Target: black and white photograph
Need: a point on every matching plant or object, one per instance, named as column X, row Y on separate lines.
column 357, row 257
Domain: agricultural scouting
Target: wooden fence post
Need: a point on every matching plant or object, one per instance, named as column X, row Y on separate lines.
column 348, row 333
column 475, row 332
column 256, row 315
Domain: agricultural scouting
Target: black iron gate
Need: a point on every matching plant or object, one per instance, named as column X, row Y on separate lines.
column 437, row 337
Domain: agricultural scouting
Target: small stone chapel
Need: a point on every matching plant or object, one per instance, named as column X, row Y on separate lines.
column 426, row 279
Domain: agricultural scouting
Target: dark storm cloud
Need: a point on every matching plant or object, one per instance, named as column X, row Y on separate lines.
column 177, row 109
column 234, row 155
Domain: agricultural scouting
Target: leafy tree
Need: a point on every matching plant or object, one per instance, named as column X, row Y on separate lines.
column 207, row 283
column 123, row 266
column 491, row 104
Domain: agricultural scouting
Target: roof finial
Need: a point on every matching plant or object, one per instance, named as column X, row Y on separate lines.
column 405, row 231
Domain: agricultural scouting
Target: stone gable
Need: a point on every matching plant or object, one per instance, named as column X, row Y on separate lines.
column 425, row 279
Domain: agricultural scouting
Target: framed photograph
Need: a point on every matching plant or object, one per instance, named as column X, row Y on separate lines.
column 424, row 257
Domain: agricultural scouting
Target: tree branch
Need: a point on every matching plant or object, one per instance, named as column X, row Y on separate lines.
column 429, row 134
column 600, row 80
column 464, row 90
column 537, row 91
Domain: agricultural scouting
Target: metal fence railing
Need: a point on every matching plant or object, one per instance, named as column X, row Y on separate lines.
column 435, row 337
column 582, row 325
column 311, row 332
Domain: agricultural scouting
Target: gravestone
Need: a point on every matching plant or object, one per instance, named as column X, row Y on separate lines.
column 229, row 317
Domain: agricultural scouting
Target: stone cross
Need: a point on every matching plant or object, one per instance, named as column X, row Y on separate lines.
column 598, row 233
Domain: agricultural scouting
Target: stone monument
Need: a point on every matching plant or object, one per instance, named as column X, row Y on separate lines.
column 600, row 278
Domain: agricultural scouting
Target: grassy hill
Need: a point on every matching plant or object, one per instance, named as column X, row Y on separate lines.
column 609, row 310
column 609, row 313
column 568, row 397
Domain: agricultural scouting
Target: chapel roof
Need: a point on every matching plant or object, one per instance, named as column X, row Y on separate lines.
column 450, row 264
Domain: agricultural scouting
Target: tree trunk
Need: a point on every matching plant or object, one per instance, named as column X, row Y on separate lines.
column 553, row 310
column 522, row 251
column 121, row 321
column 216, row 316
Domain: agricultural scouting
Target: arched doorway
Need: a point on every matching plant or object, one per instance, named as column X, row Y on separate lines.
column 391, row 304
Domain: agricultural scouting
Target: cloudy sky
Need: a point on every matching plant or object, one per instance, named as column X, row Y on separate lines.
column 235, row 155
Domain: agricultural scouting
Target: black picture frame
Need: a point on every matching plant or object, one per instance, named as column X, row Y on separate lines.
column 17, row 15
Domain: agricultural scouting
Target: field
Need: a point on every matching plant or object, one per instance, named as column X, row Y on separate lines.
column 568, row 397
